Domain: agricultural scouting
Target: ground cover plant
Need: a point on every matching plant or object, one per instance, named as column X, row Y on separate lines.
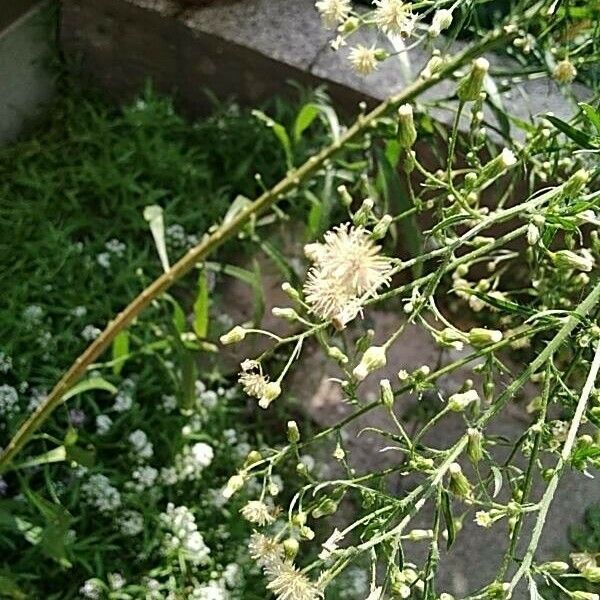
column 509, row 234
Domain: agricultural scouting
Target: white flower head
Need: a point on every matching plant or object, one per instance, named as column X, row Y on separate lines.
column 347, row 267
column 291, row 584
column 363, row 59
column 265, row 550
column 394, row 17
column 256, row 511
column 333, row 11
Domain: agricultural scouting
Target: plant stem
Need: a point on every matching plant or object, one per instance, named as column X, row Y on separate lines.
column 558, row 471
column 224, row 232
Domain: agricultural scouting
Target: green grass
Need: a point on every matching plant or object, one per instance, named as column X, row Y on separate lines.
column 81, row 179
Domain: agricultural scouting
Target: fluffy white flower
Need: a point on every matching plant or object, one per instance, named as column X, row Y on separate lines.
column 256, row 511
column 363, row 59
column 394, row 17
column 333, row 11
column 291, row 584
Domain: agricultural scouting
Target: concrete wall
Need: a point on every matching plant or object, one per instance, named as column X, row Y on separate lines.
column 26, row 83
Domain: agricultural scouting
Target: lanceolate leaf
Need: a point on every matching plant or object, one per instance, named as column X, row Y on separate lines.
column 93, row 383
column 398, row 202
column 120, row 349
column 448, row 519
column 201, row 306
column 579, row 137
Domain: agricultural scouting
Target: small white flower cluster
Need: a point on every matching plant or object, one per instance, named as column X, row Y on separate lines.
column 143, row 478
column 100, row 493
column 189, row 463
column 114, row 248
column 5, row 362
column 90, row 332
column 142, row 446
column 130, row 523
column 33, row 313
column 124, row 397
column 182, row 535
column 177, row 237
column 213, row 590
column 103, row 424
column 9, row 400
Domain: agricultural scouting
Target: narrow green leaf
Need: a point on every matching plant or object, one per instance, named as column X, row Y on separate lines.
column 579, row 137
column 10, row 589
column 304, row 119
column 280, row 134
column 120, row 350
column 448, row 519
column 201, row 306
column 398, row 202
column 93, row 383
column 592, row 114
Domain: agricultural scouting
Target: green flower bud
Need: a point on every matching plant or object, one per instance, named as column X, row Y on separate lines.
column 293, row 433
column 505, row 160
column 381, row 228
column 475, row 445
column 299, row 519
column 237, row 334
column 408, row 162
column 374, row 358
column 566, row 259
column 460, row 401
column 576, row 182
column 326, row 507
column 555, row 567
column 289, row 314
column 459, row 484
column 290, row 548
column 470, row 86
column 584, row 596
column 361, row 216
column 419, row 535
column 253, row 457
column 235, row 484
column 479, row 336
column 344, row 196
column 337, row 355
column 407, row 134
column 290, row 291
column 591, row 574
column 387, row 395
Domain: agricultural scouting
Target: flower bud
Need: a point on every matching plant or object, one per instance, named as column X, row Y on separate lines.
column 374, row 358
column 584, row 596
column 459, row 484
column 337, row 355
column 299, row 519
column 290, row 291
column 387, row 395
column 408, row 162
column 576, row 182
column 237, row 334
column 345, row 196
column 564, row 72
column 381, row 227
column 253, row 457
column 361, row 216
column 270, row 392
column 533, row 234
column 326, row 507
column 451, row 338
column 591, row 574
column 349, row 25
column 339, row 453
column 470, row 86
column 289, row 314
column 418, row 535
column 461, row 401
column 293, row 433
column 480, row 336
column 475, row 445
column 556, row 567
column 290, row 548
column 433, row 65
column 235, row 484
column 566, row 259
column 442, row 19
column 407, row 134
column 505, row 160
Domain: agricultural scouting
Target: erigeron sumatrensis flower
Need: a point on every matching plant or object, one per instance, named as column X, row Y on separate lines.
column 292, row 584
column 333, row 11
column 258, row 385
column 564, row 72
column 363, row 59
column 257, row 512
column 265, row 550
column 394, row 17
column 442, row 19
column 347, row 267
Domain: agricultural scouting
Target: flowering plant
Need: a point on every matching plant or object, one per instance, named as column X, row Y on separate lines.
column 498, row 260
